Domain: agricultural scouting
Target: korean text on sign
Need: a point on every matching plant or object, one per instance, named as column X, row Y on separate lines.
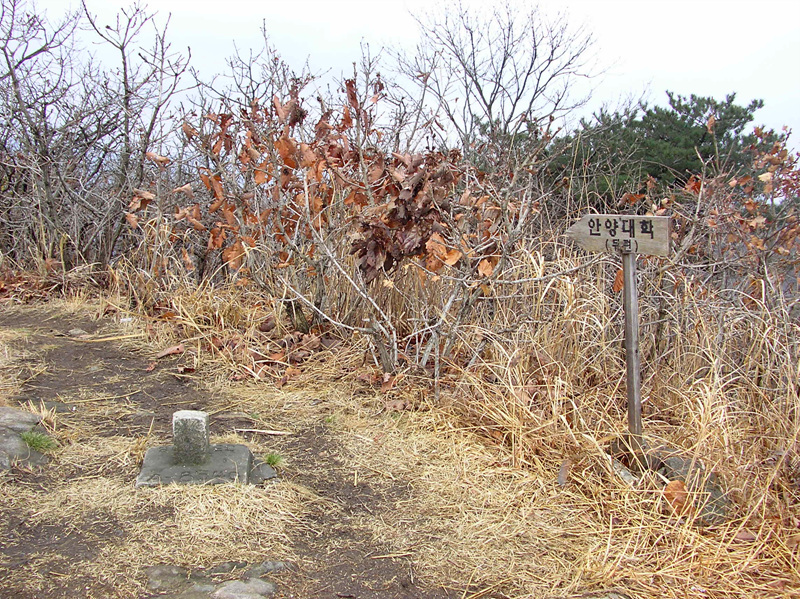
column 624, row 228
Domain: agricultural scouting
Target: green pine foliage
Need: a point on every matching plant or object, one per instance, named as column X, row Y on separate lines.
column 627, row 150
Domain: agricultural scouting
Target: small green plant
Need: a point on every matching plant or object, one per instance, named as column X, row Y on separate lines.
column 39, row 441
column 274, row 459
column 330, row 419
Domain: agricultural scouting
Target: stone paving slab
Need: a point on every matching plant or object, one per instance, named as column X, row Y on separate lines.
column 181, row 583
column 675, row 464
column 262, row 472
column 13, row 449
column 18, row 420
column 226, row 463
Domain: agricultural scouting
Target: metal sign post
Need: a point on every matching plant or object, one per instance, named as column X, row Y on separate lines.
column 630, row 304
column 628, row 235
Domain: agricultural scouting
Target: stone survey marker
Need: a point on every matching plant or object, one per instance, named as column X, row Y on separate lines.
column 190, row 437
column 192, row 459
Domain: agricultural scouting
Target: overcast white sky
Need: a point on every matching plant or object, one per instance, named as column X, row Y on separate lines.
column 705, row 47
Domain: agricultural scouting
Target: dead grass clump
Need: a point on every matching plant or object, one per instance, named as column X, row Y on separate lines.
column 514, row 487
column 9, row 375
column 124, row 530
column 475, row 516
column 548, row 393
column 17, row 365
column 220, row 330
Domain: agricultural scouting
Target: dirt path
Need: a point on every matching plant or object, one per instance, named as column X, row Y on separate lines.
column 76, row 527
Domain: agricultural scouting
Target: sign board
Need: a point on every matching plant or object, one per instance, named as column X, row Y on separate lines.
column 630, row 235
column 623, row 233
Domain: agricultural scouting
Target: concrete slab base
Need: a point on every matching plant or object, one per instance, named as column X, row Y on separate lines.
column 226, row 463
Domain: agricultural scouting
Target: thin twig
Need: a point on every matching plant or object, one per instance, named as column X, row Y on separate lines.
column 263, row 432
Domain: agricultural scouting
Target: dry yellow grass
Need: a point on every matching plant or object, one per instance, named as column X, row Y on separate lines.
column 537, row 394
column 193, row 526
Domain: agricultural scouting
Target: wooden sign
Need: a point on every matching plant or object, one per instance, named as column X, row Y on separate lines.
column 622, row 233
column 628, row 235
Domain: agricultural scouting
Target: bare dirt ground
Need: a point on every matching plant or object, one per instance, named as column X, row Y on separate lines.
column 78, row 528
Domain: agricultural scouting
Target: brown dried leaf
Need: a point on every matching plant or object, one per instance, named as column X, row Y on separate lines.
column 252, row 153
column 286, row 147
column 452, row 257
column 563, row 473
column 162, row 161
column 307, row 156
column 388, row 382
column 677, row 497
column 750, row 205
column 347, row 120
column 694, row 185
column 260, row 176
column 230, row 217
column 352, row 94
column 171, row 351
column 395, row 405
column 215, row 205
column 185, row 189
column 619, row 281
column 233, row 256
column 206, row 179
column 745, row 536
column 216, row 238
column 435, row 245
column 188, row 130
column 219, row 143
column 196, row 224
column 356, row 198
column 268, row 324
column 187, row 261
column 145, row 195
column 280, row 110
column 485, row 268
column 216, row 186
column 133, row 220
